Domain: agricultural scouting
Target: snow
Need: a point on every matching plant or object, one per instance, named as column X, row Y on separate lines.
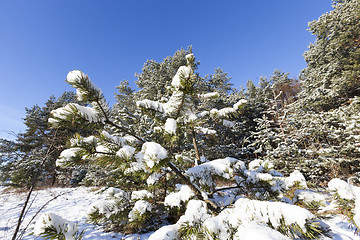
column 88, row 113
column 183, row 72
column 120, row 141
column 209, row 95
column 348, row 192
column 75, row 78
column 112, row 201
column 205, row 131
column 141, row 194
column 190, row 58
column 309, row 196
column 126, row 151
column 151, row 153
column 168, row 232
column 224, row 112
column 259, row 212
column 139, row 208
column 183, row 195
column 170, row 126
column 61, row 226
column 239, row 104
column 153, row 178
column 342, row 188
column 203, row 173
column 196, row 212
column 66, row 156
column 295, row 177
column 73, row 204
column 253, row 230
column 155, row 105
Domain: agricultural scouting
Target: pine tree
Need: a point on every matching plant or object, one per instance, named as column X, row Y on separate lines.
column 32, row 155
column 332, row 74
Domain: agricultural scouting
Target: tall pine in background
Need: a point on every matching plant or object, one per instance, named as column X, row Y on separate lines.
column 332, row 76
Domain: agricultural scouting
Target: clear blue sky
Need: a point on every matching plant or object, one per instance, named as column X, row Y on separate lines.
column 42, row 40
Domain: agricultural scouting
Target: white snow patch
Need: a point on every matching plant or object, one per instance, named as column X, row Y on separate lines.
column 51, row 220
column 169, row 232
column 151, row 153
column 126, row 151
column 253, row 230
column 170, row 126
column 175, row 199
column 295, row 177
column 139, row 208
column 342, row 188
column 141, row 194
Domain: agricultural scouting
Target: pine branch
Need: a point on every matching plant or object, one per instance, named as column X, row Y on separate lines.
column 212, row 205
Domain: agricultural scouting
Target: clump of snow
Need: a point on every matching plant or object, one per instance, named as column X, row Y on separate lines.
column 114, row 200
column 348, row 192
column 295, row 177
column 196, row 213
column 239, row 104
column 342, row 188
column 88, row 113
column 174, row 103
column 76, row 77
column 151, row 153
column 153, row 178
column 224, row 112
column 183, row 195
column 50, row 220
column 169, row 232
column 203, row 173
column 260, row 165
column 126, row 151
column 253, row 230
column 170, row 126
column 66, row 156
column 205, row 131
column 203, row 114
column 120, row 141
column 309, row 196
column 254, row 177
column 183, row 72
column 209, row 95
column 190, row 116
column 190, row 58
column 260, row 212
column 141, row 194
column 149, row 104
column 139, row 209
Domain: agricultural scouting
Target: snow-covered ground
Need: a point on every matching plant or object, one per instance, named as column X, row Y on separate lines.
column 72, row 204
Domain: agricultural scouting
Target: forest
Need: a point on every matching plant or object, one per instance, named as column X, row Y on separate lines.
column 186, row 156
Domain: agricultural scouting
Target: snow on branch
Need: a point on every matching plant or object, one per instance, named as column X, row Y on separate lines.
column 66, row 114
column 224, row 112
column 87, row 91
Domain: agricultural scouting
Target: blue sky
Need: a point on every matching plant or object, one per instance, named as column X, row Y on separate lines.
column 42, row 40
